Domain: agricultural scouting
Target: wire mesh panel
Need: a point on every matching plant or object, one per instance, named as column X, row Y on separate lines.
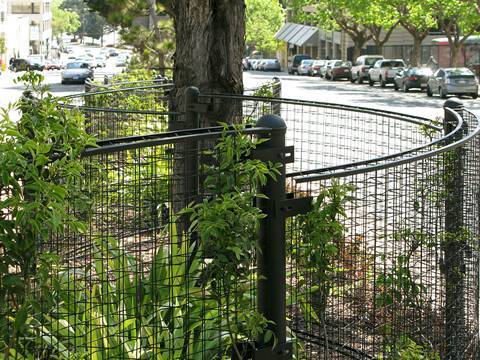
column 386, row 265
column 120, row 112
column 166, row 269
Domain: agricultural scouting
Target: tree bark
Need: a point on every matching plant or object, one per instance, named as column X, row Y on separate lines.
column 210, row 42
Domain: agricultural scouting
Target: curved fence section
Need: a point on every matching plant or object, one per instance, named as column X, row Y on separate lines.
column 368, row 246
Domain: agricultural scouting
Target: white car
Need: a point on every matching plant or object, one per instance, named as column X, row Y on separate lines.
column 100, row 61
column 384, row 71
column 77, row 72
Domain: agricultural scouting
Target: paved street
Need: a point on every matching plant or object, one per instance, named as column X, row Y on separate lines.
column 295, row 87
column 343, row 92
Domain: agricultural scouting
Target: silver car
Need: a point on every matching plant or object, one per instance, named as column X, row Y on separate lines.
column 77, row 72
column 458, row 81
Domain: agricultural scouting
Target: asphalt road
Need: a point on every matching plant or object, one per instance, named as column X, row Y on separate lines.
column 414, row 102
column 293, row 86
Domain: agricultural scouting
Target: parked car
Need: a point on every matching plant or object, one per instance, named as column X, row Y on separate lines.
column 261, row 65
column 255, row 63
column 316, row 66
column 294, row 62
column 271, row 65
column 100, row 61
column 77, row 72
column 458, row 81
column 26, row 65
column 122, row 61
column 339, row 70
column 384, row 71
column 112, row 52
column 361, row 67
column 53, row 65
column 325, row 70
column 412, row 78
column 305, row 67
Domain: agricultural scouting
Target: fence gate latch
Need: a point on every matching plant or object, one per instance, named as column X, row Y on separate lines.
column 284, row 155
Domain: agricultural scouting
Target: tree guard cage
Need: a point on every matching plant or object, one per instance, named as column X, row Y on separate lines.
column 369, row 248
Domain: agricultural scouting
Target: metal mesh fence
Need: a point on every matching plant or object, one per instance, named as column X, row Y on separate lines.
column 384, row 264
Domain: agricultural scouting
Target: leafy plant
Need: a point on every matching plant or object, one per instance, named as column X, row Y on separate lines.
column 405, row 348
column 40, row 179
column 316, row 248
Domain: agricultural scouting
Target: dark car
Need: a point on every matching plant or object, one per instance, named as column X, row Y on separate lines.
column 339, row 70
column 412, row 78
column 295, row 61
column 25, row 65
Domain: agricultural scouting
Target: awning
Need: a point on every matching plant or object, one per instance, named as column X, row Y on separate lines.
column 297, row 34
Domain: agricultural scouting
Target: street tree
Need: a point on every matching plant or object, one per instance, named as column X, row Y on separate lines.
column 209, row 44
column 263, row 19
column 347, row 15
column 458, row 19
column 381, row 19
column 417, row 18
column 63, row 21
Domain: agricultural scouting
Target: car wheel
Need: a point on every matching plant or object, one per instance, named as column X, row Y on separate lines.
column 382, row 83
column 371, row 82
column 443, row 93
column 405, row 88
column 359, row 79
column 429, row 92
column 474, row 95
column 395, row 86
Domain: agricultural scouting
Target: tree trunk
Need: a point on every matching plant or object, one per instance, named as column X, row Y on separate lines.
column 455, row 47
column 379, row 46
column 416, row 57
column 210, row 42
column 359, row 42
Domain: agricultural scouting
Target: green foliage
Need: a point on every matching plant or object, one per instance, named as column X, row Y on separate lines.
column 41, row 178
column 3, row 48
column 63, row 21
column 404, row 348
column 263, row 19
column 317, row 246
column 398, row 285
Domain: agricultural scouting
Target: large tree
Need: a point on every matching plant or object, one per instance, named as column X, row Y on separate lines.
column 63, row 21
column 381, row 19
column 417, row 17
column 458, row 19
column 347, row 15
column 263, row 19
column 209, row 44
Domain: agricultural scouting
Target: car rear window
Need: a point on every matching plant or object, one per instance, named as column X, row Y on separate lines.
column 463, row 73
column 371, row 61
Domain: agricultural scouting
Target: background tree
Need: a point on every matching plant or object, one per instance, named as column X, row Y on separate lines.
column 417, row 18
column 381, row 19
column 63, row 21
column 347, row 15
column 263, row 19
column 458, row 19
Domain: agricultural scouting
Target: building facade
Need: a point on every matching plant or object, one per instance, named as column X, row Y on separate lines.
column 39, row 14
column 321, row 44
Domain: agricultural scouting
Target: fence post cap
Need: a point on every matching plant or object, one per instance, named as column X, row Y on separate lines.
column 453, row 103
column 271, row 121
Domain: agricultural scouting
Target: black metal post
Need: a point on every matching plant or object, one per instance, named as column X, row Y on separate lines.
column 271, row 292
column 277, row 93
column 454, row 240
